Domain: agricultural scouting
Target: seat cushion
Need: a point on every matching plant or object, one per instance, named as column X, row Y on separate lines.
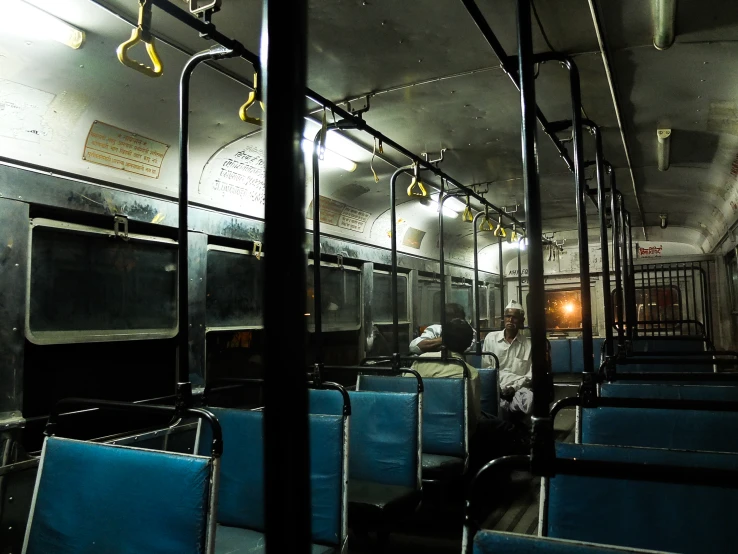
column 372, row 501
column 438, row 466
column 235, row 540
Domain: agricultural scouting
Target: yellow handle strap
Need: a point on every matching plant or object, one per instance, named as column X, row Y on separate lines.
column 513, row 235
column 467, row 216
column 421, row 192
column 374, row 153
column 500, row 230
column 142, row 33
column 254, row 95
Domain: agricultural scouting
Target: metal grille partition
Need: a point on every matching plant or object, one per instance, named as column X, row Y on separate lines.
column 672, row 299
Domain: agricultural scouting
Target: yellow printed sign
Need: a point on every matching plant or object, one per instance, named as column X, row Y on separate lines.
column 120, row 149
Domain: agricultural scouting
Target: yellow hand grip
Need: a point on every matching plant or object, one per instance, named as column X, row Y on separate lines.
column 486, row 224
column 421, row 189
column 142, row 33
column 254, row 95
column 500, row 231
column 467, row 215
column 513, row 235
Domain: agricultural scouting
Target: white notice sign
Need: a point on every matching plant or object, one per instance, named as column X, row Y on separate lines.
column 114, row 147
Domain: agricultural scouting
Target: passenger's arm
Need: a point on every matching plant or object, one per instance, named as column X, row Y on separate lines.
column 428, row 341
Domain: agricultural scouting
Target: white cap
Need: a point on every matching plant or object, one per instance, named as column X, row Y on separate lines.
column 515, row 305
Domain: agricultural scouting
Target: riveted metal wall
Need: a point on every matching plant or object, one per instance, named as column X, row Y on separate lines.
column 197, row 256
column 13, row 275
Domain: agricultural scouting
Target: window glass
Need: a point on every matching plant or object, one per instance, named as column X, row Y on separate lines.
column 563, row 309
column 341, row 292
column 382, row 299
column 430, row 302
column 87, row 285
column 462, row 294
column 234, row 290
column 660, row 304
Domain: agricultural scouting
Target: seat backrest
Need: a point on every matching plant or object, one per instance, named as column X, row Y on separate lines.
column 93, row 497
column 643, row 514
column 489, row 382
column 670, row 391
column 641, row 346
column 385, row 438
column 661, row 428
column 496, row 542
column 560, row 355
column 241, row 494
column 444, row 410
column 325, row 402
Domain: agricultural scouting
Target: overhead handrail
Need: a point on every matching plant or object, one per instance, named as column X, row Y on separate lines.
column 142, row 33
column 422, row 193
column 254, row 96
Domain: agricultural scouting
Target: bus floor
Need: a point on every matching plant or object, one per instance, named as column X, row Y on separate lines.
column 516, row 512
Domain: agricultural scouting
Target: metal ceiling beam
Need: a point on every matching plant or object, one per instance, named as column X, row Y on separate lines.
column 214, row 35
column 597, row 20
column 507, row 64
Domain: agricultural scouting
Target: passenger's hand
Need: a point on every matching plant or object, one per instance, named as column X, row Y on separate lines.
column 507, row 393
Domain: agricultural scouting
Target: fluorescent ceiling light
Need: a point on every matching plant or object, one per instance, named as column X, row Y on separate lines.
column 28, row 21
column 335, row 141
column 330, row 157
column 432, row 205
column 522, row 244
column 453, row 204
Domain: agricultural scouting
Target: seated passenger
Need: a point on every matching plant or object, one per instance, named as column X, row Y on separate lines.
column 512, row 348
column 430, row 339
column 489, row 436
column 458, row 334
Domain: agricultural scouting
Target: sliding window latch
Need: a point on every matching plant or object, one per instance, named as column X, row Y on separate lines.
column 120, row 226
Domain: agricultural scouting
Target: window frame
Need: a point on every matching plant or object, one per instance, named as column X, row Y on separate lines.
column 332, row 328
column 92, row 335
column 230, row 250
column 407, row 296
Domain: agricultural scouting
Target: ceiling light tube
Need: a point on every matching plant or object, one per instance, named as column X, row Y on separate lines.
column 330, row 157
column 663, row 147
column 28, row 21
column 664, row 19
column 432, row 205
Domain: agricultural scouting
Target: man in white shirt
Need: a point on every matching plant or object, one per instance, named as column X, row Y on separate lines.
column 430, row 339
column 512, row 348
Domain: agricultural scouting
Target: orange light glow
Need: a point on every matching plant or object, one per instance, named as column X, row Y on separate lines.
column 568, row 308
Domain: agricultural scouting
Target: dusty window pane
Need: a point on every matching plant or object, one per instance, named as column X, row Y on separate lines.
column 234, row 290
column 91, row 282
column 341, row 293
column 382, row 299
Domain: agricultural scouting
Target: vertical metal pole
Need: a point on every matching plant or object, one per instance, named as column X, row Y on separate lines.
column 317, row 289
column 614, row 216
column 286, row 432
column 708, row 302
column 600, row 168
column 631, row 273
column 542, row 449
column 476, row 284
column 650, row 299
column 581, row 199
column 393, row 259
column 502, row 284
column 686, row 296
column 671, row 296
column 665, row 329
column 624, row 261
column 442, row 269
column 183, row 318
column 694, row 299
column 520, row 279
